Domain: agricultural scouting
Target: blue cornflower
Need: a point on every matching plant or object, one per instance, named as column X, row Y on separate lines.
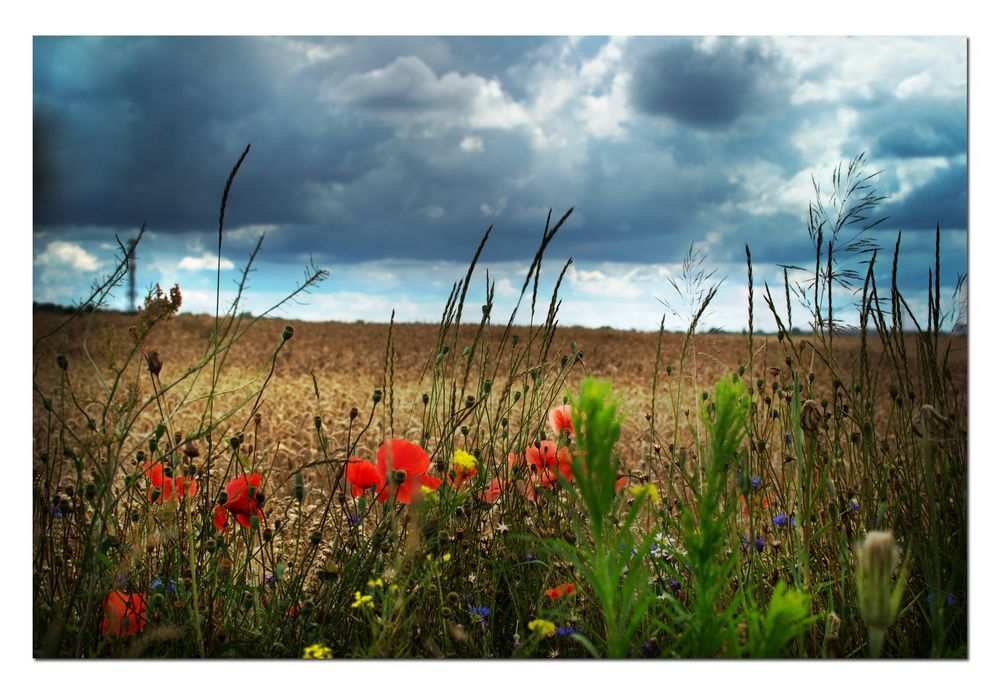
column 675, row 584
column 353, row 520
column 479, row 611
column 755, row 483
column 171, row 585
column 949, row 601
column 530, row 556
column 779, row 520
column 56, row 511
column 759, row 544
column 271, row 580
column 855, row 506
column 565, row 630
column 788, row 439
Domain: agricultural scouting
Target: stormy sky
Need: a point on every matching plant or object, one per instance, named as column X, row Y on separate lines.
column 385, row 159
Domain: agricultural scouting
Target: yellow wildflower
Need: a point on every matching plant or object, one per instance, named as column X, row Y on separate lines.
column 377, row 582
column 463, row 460
column 646, row 490
column 317, row 651
column 362, row 600
column 543, row 627
column 446, row 558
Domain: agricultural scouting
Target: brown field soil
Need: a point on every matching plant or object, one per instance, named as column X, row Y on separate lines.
column 328, row 368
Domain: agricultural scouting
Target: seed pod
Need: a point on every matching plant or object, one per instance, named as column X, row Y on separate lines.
column 62, row 362
column 154, row 363
column 288, row 332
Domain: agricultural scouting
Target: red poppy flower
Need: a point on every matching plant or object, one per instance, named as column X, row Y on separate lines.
column 621, row 483
column 219, row 519
column 159, row 480
column 561, row 590
column 124, row 614
column 761, row 503
column 560, row 419
column 460, row 474
column 408, row 464
column 493, row 490
column 546, row 456
column 239, row 502
column 361, row 475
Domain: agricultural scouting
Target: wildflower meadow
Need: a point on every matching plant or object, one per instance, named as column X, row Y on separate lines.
column 235, row 486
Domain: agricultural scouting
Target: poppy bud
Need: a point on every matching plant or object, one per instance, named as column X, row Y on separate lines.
column 152, row 445
column 425, row 398
column 288, row 332
column 315, row 537
column 317, row 421
column 254, row 523
column 376, row 395
column 209, row 545
column 223, row 498
column 267, row 534
column 470, row 401
column 517, row 396
column 354, row 413
column 62, row 362
column 154, row 494
column 154, row 363
column 563, row 360
column 465, row 430
column 300, row 489
column 742, row 370
column 487, row 386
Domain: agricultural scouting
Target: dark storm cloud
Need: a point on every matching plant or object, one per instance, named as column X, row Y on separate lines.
column 943, row 200
column 924, row 134
column 408, row 85
column 705, row 87
column 410, row 147
column 155, row 137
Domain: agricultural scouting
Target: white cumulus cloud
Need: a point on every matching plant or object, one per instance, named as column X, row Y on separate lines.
column 206, row 262
column 69, row 255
